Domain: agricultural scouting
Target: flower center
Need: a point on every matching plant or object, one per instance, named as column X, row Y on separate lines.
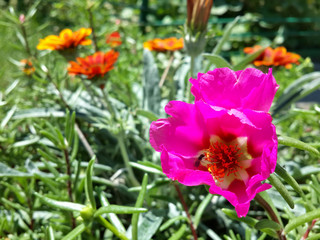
column 222, row 159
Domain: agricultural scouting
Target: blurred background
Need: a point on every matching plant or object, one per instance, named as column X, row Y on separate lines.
column 294, row 24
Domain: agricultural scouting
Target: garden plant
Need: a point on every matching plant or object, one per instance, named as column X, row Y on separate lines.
column 114, row 128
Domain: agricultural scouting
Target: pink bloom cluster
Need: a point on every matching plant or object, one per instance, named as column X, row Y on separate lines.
column 226, row 139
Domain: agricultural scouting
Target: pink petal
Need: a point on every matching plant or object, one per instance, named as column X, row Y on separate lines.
column 249, row 88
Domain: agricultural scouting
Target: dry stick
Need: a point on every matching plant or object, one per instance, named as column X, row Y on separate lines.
column 165, row 73
column 185, row 207
column 271, row 213
column 93, row 31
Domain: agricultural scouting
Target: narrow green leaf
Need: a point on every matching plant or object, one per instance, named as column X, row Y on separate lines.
column 75, row 232
column 248, row 59
column 51, row 168
column 49, row 233
column 248, row 220
column 75, row 147
column 48, row 156
column 248, row 234
column 275, row 182
column 171, row 221
column 38, row 113
column 179, row 234
column 12, row 85
column 21, row 196
column 14, row 205
column 314, row 237
column 88, row 183
column 268, row 199
column 151, row 164
column 217, row 60
column 26, row 142
column 151, row 79
column 50, row 136
column 70, row 128
column 266, row 223
column 149, row 224
column 303, row 219
column 114, row 230
column 139, row 202
column 8, row 117
column 68, row 206
column 67, row 126
column 291, row 142
column 111, row 216
column 62, row 143
column 201, row 209
column 150, row 115
column 227, row 32
column 146, row 168
column 119, row 210
column 6, row 171
column 293, row 183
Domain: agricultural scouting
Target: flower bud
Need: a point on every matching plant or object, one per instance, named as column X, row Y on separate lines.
column 22, row 18
column 198, row 12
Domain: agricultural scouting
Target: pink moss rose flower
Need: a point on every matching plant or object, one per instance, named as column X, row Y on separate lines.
column 232, row 151
column 249, row 88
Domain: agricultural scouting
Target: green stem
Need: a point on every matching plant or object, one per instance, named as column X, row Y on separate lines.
column 126, row 159
column 115, row 231
column 185, row 207
column 272, row 215
column 121, row 141
column 192, row 63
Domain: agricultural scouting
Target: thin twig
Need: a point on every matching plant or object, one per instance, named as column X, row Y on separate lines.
column 185, row 207
column 69, row 185
column 305, row 236
column 272, row 215
column 24, row 34
column 165, row 73
column 96, row 49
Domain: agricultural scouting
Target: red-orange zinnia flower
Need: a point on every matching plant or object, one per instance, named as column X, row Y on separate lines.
column 96, row 65
column 66, row 39
column 27, row 66
column 113, row 39
column 161, row 45
column 274, row 57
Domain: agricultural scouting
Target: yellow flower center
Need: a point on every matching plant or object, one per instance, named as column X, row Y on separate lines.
column 225, row 160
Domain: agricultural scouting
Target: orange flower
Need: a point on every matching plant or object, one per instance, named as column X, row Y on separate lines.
column 66, row 39
column 94, row 65
column 274, row 57
column 161, row 45
column 114, row 39
column 27, row 66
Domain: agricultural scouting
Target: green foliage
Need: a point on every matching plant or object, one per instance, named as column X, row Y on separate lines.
column 76, row 162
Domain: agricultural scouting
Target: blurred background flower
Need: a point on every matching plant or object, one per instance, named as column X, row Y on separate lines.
column 162, row 45
column 114, row 39
column 27, row 66
column 66, row 39
column 274, row 57
column 96, row 65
